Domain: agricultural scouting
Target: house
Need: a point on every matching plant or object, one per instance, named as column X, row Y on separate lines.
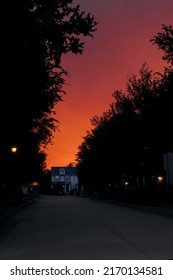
column 64, row 177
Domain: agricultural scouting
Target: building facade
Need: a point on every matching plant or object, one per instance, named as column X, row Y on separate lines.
column 65, row 178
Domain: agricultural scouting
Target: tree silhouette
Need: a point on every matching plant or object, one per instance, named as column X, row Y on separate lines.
column 129, row 139
column 116, row 145
column 164, row 41
column 38, row 33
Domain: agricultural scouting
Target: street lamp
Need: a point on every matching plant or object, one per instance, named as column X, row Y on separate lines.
column 13, row 149
column 126, row 183
column 159, row 181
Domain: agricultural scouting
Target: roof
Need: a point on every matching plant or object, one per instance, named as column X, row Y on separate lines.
column 69, row 170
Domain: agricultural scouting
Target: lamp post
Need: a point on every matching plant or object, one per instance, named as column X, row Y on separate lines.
column 159, row 181
column 15, row 174
column 13, row 164
column 126, row 183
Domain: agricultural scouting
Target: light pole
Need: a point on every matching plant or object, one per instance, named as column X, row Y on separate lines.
column 159, row 181
column 13, row 164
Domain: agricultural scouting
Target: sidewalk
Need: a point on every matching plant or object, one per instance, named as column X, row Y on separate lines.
column 9, row 210
column 157, row 208
column 161, row 208
column 10, row 206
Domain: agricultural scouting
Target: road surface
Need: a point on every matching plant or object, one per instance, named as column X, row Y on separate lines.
column 72, row 228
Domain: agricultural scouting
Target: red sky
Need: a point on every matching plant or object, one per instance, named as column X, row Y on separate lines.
column 118, row 49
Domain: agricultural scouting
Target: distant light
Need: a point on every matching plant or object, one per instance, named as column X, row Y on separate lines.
column 160, row 179
column 13, row 149
column 35, row 184
column 126, row 183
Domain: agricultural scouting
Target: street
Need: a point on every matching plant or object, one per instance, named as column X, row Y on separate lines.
column 70, row 227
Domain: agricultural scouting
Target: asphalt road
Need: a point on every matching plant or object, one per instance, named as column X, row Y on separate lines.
column 78, row 228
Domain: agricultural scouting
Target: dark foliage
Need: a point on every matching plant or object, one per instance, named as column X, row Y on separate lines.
column 129, row 139
column 36, row 35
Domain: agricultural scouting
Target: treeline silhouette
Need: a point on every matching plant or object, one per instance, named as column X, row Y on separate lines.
column 36, row 35
column 122, row 155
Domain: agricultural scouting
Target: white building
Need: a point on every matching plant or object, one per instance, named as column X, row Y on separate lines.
column 66, row 176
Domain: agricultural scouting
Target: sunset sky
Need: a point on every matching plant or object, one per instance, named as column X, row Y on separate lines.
column 118, row 49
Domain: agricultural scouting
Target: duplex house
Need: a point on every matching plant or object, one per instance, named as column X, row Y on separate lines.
column 66, row 176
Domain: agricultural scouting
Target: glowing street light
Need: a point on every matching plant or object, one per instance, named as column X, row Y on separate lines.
column 159, row 180
column 13, row 149
column 126, row 183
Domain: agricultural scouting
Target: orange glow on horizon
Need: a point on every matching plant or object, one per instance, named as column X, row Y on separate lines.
column 118, row 49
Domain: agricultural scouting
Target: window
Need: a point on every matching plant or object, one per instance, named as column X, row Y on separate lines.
column 61, row 178
column 62, row 171
column 56, row 178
